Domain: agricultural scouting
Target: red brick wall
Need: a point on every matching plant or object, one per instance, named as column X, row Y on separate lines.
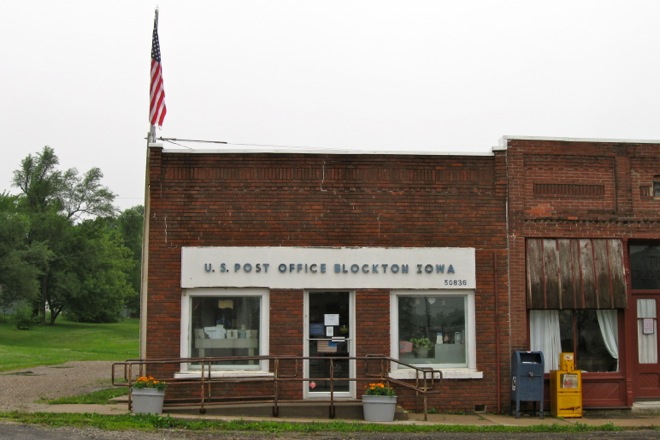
column 335, row 200
column 553, row 184
column 620, row 212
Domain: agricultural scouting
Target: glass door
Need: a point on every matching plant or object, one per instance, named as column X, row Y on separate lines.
column 329, row 329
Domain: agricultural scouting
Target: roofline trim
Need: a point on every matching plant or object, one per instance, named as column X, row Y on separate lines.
column 504, row 140
column 320, row 151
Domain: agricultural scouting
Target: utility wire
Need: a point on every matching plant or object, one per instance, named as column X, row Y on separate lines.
column 176, row 140
column 191, row 140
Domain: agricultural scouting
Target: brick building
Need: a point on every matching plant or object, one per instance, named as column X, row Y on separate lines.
column 318, row 253
column 584, row 252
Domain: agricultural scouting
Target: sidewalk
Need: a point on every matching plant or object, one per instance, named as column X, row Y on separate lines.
column 633, row 419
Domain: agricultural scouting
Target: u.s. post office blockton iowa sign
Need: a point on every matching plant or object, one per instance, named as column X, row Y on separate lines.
column 328, row 268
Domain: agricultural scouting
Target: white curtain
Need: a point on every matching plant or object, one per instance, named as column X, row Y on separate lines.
column 607, row 321
column 545, row 336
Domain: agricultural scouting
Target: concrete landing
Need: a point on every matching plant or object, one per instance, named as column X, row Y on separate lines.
column 646, row 407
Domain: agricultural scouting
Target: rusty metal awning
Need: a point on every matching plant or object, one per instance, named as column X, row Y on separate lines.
column 575, row 274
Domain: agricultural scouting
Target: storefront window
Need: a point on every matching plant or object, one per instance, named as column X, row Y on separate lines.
column 433, row 329
column 645, row 266
column 226, row 325
column 589, row 333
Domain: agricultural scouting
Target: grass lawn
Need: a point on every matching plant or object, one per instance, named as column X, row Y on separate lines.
column 67, row 341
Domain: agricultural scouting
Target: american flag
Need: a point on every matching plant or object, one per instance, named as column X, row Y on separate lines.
column 157, row 109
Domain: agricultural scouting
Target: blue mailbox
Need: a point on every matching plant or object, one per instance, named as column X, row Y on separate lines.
column 526, row 380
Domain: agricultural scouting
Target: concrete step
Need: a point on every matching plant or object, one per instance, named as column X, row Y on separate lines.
column 646, row 407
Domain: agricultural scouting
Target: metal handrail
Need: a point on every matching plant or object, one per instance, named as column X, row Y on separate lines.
column 424, row 381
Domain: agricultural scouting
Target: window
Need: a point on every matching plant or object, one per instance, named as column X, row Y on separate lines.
column 589, row 333
column 656, row 186
column 433, row 328
column 645, row 266
column 225, row 323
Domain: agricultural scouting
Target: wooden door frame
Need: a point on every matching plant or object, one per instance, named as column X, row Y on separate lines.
column 635, row 367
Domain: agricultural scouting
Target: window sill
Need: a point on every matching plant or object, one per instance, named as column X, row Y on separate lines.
column 220, row 374
column 447, row 373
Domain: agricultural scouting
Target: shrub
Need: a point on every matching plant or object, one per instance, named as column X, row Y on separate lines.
column 23, row 317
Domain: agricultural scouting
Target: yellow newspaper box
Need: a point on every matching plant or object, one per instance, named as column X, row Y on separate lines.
column 566, row 388
column 566, row 362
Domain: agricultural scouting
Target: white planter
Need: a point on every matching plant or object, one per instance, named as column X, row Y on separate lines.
column 378, row 408
column 147, row 400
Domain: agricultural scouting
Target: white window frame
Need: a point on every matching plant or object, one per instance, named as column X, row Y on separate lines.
column 186, row 331
column 448, row 371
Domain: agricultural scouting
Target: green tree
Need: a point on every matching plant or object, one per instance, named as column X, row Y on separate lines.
column 57, row 203
column 21, row 263
column 46, row 189
column 55, row 231
column 100, row 265
column 131, row 224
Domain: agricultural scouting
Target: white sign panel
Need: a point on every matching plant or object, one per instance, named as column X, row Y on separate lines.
column 328, row 268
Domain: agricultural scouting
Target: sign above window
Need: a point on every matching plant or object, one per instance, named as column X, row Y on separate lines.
column 337, row 268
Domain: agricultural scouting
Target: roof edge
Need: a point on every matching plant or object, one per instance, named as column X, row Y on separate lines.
column 320, row 151
column 504, row 140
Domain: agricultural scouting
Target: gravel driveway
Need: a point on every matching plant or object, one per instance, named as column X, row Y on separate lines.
column 21, row 389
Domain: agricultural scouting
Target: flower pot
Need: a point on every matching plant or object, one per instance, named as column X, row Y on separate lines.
column 378, row 408
column 147, row 400
column 422, row 352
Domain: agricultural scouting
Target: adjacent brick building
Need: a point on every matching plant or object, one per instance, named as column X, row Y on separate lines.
column 579, row 213
column 316, row 253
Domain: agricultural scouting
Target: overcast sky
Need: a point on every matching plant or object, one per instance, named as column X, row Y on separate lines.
column 445, row 76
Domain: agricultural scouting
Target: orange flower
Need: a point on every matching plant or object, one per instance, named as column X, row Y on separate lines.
column 149, row 382
column 379, row 389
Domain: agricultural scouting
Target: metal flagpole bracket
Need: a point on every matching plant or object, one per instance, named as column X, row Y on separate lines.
column 151, row 138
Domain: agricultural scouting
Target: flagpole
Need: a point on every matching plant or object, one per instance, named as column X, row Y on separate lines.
column 155, row 109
